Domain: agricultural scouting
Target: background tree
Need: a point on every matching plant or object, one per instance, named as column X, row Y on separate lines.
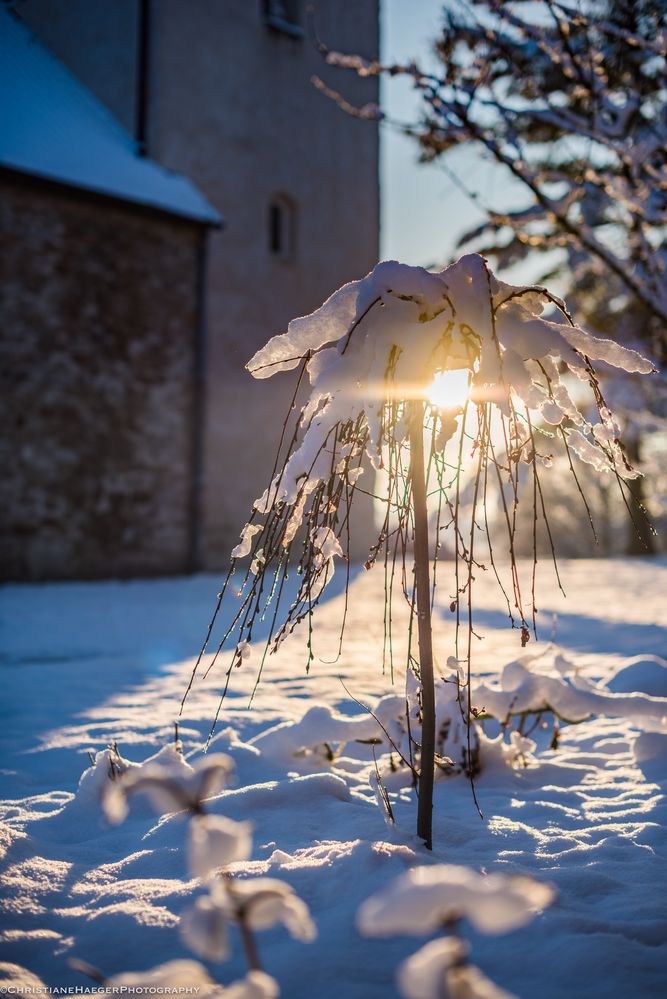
column 571, row 102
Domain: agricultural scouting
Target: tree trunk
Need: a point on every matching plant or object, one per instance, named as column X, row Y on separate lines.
column 640, row 535
column 423, row 588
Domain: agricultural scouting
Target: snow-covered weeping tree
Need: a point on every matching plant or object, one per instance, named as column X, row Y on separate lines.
column 370, row 353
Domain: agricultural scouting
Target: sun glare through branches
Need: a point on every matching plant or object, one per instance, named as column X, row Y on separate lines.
column 449, row 389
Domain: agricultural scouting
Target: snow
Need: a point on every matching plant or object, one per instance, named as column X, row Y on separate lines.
column 526, row 686
column 52, row 127
column 438, row 966
column 647, row 674
column 87, row 664
column 245, row 544
column 215, row 842
column 424, row 899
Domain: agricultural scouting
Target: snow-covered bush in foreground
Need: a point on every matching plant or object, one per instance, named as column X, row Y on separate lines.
column 425, row 900
column 214, row 842
column 169, row 782
column 183, row 974
column 440, row 970
column 257, row 904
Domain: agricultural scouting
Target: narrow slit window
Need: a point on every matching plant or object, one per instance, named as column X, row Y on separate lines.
column 282, row 227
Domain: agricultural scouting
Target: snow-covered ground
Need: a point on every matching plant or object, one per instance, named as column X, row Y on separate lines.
column 84, row 665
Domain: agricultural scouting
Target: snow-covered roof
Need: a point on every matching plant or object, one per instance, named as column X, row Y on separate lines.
column 51, row 126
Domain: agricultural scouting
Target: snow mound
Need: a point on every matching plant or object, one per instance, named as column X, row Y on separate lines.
column 644, row 674
column 321, row 728
column 650, row 754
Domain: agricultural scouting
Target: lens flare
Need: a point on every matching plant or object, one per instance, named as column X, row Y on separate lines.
column 449, row 389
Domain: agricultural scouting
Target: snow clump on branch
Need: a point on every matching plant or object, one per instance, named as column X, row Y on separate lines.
column 425, row 898
column 175, row 787
column 442, row 964
column 257, row 904
column 435, row 898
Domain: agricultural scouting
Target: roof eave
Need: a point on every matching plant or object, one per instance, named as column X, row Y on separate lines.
column 24, row 174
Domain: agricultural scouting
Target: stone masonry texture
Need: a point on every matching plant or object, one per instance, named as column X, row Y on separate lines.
column 97, row 338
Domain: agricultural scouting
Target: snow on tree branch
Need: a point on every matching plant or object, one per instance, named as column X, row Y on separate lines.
column 430, row 899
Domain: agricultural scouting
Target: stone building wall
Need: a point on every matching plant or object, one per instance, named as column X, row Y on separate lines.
column 231, row 105
column 97, row 336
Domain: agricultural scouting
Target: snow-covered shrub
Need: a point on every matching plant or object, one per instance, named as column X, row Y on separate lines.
column 391, row 727
column 374, row 346
column 457, row 748
column 320, row 736
column 432, row 899
column 370, row 353
column 107, row 769
column 111, row 778
column 214, row 842
column 535, row 686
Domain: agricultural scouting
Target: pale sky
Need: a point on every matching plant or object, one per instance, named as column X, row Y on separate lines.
column 423, row 212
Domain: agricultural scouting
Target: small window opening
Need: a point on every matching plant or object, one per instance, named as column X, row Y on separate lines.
column 284, row 16
column 282, row 227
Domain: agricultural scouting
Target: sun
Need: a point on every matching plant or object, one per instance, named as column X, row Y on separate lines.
column 449, row 389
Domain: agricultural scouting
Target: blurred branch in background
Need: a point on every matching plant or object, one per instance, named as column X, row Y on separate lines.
column 570, row 101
